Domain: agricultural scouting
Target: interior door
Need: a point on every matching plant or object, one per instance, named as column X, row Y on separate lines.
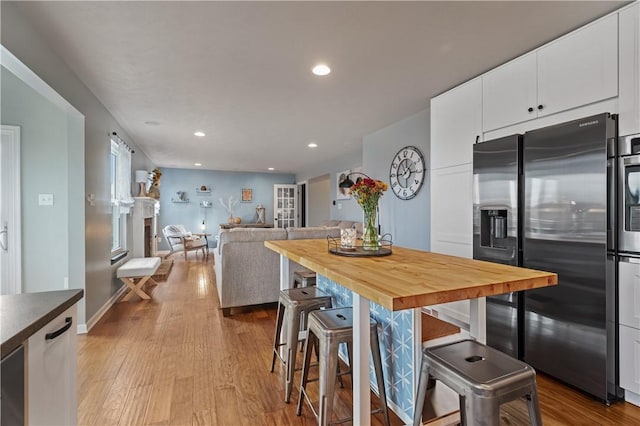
column 10, row 247
column 285, row 206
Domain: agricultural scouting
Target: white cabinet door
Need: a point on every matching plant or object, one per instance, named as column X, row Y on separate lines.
column 629, row 291
column 451, row 210
column 630, row 358
column 456, row 124
column 451, row 226
column 51, row 369
column 509, row 93
column 579, row 69
column 629, row 122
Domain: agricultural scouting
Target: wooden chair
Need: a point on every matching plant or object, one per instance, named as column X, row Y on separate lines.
column 179, row 239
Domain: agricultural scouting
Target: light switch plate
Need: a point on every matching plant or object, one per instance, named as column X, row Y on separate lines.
column 45, row 199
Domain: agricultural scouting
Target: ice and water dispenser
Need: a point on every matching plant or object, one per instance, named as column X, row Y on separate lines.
column 493, row 228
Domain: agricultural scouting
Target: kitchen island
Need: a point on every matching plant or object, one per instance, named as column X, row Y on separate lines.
column 398, row 286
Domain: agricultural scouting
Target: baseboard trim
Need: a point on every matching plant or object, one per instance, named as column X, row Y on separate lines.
column 632, row 398
column 85, row 328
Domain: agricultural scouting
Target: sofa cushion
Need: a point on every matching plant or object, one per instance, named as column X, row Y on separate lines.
column 249, row 235
column 313, row 232
column 346, row 224
column 330, row 223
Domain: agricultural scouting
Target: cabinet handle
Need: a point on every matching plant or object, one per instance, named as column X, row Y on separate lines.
column 530, row 109
column 540, row 106
column 50, row 336
column 477, row 138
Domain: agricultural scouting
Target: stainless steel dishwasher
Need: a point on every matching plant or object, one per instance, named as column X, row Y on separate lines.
column 12, row 404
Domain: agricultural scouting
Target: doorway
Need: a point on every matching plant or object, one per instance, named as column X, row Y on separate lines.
column 319, row 200
column 302, row 204
column 10, row 234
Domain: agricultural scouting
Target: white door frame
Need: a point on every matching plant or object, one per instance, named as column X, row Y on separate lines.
column 11, row 249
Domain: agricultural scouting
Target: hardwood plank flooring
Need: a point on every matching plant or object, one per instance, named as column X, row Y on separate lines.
column 175, row 360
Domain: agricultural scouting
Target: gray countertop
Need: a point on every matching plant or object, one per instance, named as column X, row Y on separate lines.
column 21, row 315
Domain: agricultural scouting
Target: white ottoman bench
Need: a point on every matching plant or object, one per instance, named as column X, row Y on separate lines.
column 142, row 268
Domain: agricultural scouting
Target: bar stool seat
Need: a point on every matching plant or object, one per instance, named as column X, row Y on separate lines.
column 292, row 305
column 304, row 279
column 327, row 329
column 484, row 378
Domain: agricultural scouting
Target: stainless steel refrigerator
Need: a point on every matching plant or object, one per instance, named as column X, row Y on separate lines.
column 563, row 214
column 497, row 183
column 569, row 227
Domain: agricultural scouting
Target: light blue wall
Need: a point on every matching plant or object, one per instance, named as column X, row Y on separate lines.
column 44, row 165
column 223, row 184
column 407, row 221
column 87, row 166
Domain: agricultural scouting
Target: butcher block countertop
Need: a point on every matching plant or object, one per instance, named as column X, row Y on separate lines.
column 412, row 278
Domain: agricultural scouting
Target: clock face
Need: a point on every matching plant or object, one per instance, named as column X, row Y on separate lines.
column 407, row 171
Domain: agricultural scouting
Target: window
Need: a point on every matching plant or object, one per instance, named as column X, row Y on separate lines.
column 121, row 201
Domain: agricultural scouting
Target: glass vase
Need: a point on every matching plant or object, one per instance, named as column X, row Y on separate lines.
column 370, row 234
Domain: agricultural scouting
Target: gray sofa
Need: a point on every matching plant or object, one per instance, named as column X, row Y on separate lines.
column 248, row 273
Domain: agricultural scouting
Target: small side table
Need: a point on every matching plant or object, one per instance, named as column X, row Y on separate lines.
column 200, row 234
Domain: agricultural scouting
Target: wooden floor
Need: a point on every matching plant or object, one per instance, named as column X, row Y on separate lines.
column 175, row 360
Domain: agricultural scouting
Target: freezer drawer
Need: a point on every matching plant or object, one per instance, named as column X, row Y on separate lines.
column 629, row 291
column 630, row 358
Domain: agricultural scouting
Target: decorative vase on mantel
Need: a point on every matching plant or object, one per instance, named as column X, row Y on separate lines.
column 230, row 220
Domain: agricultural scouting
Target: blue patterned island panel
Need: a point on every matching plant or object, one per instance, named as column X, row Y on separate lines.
column 397, row 341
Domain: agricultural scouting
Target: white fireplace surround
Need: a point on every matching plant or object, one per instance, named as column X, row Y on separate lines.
column 144, row 208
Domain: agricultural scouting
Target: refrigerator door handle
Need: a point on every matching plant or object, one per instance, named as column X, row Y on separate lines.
column 632, row 161
column 626, row 259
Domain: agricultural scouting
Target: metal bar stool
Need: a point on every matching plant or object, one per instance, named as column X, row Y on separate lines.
column 484, row 378
column 304, row 279
column 293, row 304
column 327, row 329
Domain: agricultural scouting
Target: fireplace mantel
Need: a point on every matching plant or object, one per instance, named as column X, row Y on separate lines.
column 144, row 208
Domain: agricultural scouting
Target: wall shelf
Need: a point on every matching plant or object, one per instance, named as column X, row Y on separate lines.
column 173, row 200
column 205, row 204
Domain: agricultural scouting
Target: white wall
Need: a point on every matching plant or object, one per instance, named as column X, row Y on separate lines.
column 408, row 221
column 318, row 190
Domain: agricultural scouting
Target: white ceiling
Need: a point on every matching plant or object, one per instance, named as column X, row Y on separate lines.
column 240, row 71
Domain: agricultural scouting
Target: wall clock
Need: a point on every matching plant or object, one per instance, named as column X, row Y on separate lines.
column 407, row 171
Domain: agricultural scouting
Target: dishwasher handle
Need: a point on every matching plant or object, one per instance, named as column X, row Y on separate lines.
column 53, row 335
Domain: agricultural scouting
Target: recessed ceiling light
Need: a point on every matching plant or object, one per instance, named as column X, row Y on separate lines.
column 197, row 164
column 270, row 168
column 312, row 145
column 321, row 69
column 199, row 134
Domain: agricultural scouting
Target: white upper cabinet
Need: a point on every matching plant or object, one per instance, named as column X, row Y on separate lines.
column 576, row 70
column 579, row 69
column 456, row 124
column 629, row 98
column 510, row 93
